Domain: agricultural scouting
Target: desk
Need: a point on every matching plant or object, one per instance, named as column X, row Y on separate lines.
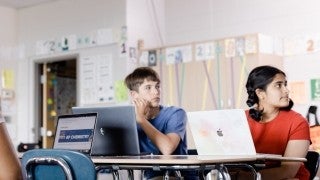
column 182, row 162
column 168, row 162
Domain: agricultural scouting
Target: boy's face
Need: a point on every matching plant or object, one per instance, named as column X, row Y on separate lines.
column 149, row 91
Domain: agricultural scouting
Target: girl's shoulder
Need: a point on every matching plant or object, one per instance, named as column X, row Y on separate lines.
column 292, row 116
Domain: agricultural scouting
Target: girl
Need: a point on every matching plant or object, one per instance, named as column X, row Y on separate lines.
column 275, row 128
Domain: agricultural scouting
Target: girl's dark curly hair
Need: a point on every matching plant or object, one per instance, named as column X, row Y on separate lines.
column 259, row 78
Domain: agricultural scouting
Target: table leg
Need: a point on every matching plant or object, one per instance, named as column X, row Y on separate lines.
column 178, row 175
column 223, row 172
column 115, row 174
column 130, row 174
column 256, row 175
column 166, row 175
column 203, row 172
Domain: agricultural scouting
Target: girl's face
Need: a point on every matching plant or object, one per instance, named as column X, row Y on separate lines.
column 276, row 94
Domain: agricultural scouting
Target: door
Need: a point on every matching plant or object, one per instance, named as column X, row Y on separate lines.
column 58, row 95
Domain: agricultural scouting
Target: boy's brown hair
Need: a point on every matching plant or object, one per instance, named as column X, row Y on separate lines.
column 137, row 77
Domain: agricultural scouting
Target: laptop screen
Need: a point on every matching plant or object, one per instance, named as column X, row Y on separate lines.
column 75, row 132
column 221, row 132
column 115, row 132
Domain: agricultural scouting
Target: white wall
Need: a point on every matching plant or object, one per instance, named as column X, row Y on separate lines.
column 8, row 61
column 55, row 20
column 8, row 30
column 145, row 20
column 199, row 20
column 303, row 68
column 157, row 22
column 60, row 18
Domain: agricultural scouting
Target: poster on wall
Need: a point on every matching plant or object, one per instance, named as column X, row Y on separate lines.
column 7, row 77
column 45, row 46
column 68, row 43
column 123, row 41
column 230, row 48
column 152, row 58
column 96, row 79
column 298, row 92
column 278, row 46
column 205, row 51
column 315, row 89
column 143, row 61
column 179, row 54
column 240, row 46
column 132, row 61
column 251, row 44
column 294, row 46
column 121, row 92
column 266, row 44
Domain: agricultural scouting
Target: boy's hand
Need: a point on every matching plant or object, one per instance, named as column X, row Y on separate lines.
column 142, row 109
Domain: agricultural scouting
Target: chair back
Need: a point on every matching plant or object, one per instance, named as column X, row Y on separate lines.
column 312, row 163
column 52, row 164
column 312, row 111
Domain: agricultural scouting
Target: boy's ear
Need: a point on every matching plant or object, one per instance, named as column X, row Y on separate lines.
column 133, row 93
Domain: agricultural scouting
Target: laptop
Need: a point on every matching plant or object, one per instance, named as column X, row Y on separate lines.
column 221, row 132
column 115, row 132
column 75, row 132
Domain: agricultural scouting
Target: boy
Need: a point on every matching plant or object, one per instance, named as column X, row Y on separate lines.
column 162, row 130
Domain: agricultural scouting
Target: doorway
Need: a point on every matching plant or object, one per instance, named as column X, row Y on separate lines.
column 57, row 88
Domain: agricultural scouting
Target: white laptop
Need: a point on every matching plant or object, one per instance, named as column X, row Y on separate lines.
column 221, row 132
column 75, row 132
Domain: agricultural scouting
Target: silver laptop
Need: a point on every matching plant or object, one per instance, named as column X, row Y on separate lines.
column 116, row 130
column 75, row 132
column 221, row 132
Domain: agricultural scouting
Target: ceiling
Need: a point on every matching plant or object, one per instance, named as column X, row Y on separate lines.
column 21, row 3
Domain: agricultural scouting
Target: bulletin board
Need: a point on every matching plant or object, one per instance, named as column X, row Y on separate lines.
column 215, row 80
column 102, row 63
column 101, row 73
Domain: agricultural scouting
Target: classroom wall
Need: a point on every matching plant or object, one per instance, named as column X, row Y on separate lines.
column 188, row 21
column 145, row 20
column 8, row 60
column 303, row 68
column 61, row 18
column 197, row 20
column 8, row 32
column 193, row 20
column 177, row 22
column 55, row 20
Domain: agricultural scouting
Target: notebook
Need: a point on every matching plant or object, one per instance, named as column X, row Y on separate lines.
column 75, row 132
column 115, row 131
column 221, row 132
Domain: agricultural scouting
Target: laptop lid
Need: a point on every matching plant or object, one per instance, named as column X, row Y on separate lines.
column 75, row 132
column 116, row 130
column 221, row 132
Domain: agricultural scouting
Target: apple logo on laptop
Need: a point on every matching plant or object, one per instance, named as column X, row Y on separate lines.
column 102, row 131
column 220, row 133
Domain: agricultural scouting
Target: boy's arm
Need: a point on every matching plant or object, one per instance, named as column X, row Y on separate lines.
column 10, row 166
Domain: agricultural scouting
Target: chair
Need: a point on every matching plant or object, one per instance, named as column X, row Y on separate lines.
column 312, row 112
column 312, row 163
column 52, row 164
